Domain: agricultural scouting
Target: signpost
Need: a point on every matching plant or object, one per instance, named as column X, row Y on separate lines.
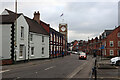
column 102, row 47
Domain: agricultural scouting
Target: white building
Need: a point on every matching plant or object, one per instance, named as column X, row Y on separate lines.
column 32, row 41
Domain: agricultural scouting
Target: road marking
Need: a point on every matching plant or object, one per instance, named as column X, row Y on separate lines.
column 77, row 70
column 49, row 67
column 4, row 71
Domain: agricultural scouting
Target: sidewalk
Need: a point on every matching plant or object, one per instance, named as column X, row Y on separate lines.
column 106, row 71
column 24, row 64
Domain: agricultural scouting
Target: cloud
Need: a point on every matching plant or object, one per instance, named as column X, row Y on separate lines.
column 85, row 18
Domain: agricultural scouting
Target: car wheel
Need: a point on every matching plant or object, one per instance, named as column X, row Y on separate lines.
column 118, row 63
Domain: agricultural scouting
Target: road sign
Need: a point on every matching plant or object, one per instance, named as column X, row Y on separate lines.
column 102, row 47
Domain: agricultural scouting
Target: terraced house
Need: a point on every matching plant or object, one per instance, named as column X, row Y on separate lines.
column 27, row 40
column 111, row 42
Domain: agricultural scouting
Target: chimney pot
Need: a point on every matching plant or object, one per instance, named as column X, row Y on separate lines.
column 37, row 16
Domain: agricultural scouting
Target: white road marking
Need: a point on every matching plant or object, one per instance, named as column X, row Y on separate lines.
column 50, row 68
column 4, row 71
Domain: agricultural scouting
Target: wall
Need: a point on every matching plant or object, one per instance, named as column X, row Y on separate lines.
column 0, row 41
column 22, row 22
column 38, row 44
column 5, row 38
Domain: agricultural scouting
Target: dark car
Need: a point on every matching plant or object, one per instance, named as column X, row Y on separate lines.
column 83, row 56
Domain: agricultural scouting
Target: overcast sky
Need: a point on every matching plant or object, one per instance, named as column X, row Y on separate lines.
column 85, row 18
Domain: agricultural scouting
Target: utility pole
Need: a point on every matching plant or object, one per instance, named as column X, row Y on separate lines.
column 15, row 43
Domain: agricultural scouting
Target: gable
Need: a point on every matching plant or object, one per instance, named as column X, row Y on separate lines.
column 5, row 13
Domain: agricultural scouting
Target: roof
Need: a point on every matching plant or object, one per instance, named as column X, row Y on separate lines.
column 33, row 25
column 58, row 33
column 9, row 18
column 108, row 32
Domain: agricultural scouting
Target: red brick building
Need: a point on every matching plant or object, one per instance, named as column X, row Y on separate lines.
column 111, row 43
column 55, row 39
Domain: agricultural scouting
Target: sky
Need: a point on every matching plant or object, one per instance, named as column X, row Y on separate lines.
column 85, row 18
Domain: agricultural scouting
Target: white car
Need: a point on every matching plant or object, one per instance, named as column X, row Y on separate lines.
column 115, row 61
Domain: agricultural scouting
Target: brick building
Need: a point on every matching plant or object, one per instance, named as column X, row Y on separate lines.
column 111, row 43
column 55, row 38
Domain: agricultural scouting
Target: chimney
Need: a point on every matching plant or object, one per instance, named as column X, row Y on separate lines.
column 37, row 17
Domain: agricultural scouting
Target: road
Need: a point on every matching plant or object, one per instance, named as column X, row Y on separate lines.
column 67, row 67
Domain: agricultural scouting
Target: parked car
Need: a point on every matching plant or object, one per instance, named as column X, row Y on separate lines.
column 83, row 56
column 115, row 61
column 74, row 52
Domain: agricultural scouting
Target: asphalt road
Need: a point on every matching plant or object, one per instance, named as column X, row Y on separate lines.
column 67, row 67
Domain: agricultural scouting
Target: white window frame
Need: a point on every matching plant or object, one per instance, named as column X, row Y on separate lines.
column 118, row 43
column 59, row 39
column 31, row 37
column 118, row 34
column 105, row 52
column 112, row 52
column 54, row 37
column 43, row 50
column 21, row 51
column 111, row 42
column 22, row 32
column 105, row 43
column 51, row 36
column 32, row 51
column 42, row 38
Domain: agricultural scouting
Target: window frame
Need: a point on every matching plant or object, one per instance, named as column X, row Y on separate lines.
column 42, row 50
column 31, row 37
column 112, row 53
column 22, row 32
column 118, row 43
column 118, row 34
column 32, row 51
column 112, row 43
column 42, row 38
column 21, row 50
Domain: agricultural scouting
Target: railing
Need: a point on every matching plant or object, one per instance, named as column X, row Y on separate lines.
column 93, row 74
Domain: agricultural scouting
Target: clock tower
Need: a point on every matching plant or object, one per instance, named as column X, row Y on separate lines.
column 64, row 31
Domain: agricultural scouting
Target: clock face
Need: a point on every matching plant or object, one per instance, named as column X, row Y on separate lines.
column 63, row 28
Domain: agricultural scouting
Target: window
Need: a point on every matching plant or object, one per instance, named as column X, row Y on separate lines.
column 111, row 52
column 105, row 52
column 118, row 43
column 21, row 50
column 59, row 39
column 105, row 43
column 22, row 32
column 111, row 44
column 42, row 50
column 51, row 36
column 32, row 50
column 54, row 37
column 42, row 38
column 104, row 34
column 118, row 34
column 31, row 37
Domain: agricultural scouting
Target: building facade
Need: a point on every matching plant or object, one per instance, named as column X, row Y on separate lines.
column 16, row 44
column 112, row 43
column 55, row 38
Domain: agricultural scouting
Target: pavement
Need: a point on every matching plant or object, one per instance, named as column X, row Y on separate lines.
column 105, row 71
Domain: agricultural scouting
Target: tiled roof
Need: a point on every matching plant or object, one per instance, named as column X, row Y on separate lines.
column 33, row 25
column 58, row 33
column 9, row 18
